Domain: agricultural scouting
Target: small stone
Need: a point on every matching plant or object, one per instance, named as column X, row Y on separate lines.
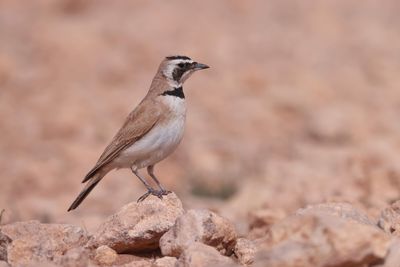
column 166, row 262
column 36, row 242
column 329, row 126
column 105, row 255
column 389, row 220
column 75, row 257
column 199, row 226
column 4, row 242
column 245, row 251
column 200, row 255
column 393, row 257
column 137, row 263
column 126, row 260
column 138, row 227
column 261, row 220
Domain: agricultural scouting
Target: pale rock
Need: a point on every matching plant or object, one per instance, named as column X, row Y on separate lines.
column 166, row 262
column 137, row 263
column 245, row 250
column 36, row 242
column 127, row 260
column 261, row 219
column 105, row 255
column 41, row 264
column 4, row 242
column 4, row 264
column 199, row 226
column 200, row 255
column 138, row 226
column 322, row 240
column 329, row 126
column 389, row 220
column 339, row 209
column 393, row 257
column 75, row 257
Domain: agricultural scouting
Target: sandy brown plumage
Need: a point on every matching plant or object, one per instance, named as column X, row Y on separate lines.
column 159, row 112
column 139, row 122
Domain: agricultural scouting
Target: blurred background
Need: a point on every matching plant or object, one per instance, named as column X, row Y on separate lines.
column 301, row 104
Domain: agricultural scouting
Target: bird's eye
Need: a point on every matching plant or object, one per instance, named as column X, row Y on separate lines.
column 181, row 65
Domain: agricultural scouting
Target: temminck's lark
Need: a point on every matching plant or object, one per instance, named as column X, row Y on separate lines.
column 152, row 130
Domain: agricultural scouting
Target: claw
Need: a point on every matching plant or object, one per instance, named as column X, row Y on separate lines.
column 144, row 196
column 165, row 192
column 157, row 193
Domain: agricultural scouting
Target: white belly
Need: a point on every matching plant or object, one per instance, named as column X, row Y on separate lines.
column 156, row 145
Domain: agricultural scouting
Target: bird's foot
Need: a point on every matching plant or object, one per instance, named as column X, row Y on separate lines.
column 157, row 193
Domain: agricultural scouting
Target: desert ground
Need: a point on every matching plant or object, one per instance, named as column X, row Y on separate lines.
column 300, row 107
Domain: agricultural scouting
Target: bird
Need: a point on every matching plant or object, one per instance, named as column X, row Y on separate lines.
column 151, row 132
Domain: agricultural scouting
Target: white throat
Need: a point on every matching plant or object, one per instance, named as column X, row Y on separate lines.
column 173, row 83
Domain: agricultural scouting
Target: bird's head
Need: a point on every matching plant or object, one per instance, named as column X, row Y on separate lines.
column 176, row 69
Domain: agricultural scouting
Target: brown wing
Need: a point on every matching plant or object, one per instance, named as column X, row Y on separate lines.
column 139, row 122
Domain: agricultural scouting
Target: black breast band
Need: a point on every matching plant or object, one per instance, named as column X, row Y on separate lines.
column 178, row 92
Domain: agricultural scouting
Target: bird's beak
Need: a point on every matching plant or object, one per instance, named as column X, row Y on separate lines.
column 200, row 66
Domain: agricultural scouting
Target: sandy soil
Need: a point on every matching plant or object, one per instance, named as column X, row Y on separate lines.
column 301, row 104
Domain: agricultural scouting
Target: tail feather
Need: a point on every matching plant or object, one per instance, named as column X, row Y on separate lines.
column 90, row 174
column 85, row 192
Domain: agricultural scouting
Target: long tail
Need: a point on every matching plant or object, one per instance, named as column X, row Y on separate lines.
column 88, row 188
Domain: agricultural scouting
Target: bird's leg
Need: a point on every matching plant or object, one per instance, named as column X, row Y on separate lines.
column 150, row 190
column 150, row 171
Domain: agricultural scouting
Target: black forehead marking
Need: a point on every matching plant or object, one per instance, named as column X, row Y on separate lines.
column 178, row 57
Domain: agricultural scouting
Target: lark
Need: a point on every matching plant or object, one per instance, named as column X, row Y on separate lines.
column 151, row 132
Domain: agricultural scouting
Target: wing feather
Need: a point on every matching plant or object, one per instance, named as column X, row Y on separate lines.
column 139, row 122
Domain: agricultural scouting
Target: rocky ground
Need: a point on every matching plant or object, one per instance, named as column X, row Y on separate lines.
column 292, row 135
column 159, row 232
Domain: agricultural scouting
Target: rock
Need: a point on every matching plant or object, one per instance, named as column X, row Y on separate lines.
column 199, row 226
column 35, row 242
column 200, row 255
column 40, row 264
column 166, row 262
column 75, row 257
column 393, row 258
column 4, row 241
column 329, row 126
column 138, row 226
column 4, row 264
column 245, row 251
column 137, row 263
column 342, row 210
column 126, row 260
column 389, row 220
column 318, row 239
column 260, row 220
column 105, row 255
